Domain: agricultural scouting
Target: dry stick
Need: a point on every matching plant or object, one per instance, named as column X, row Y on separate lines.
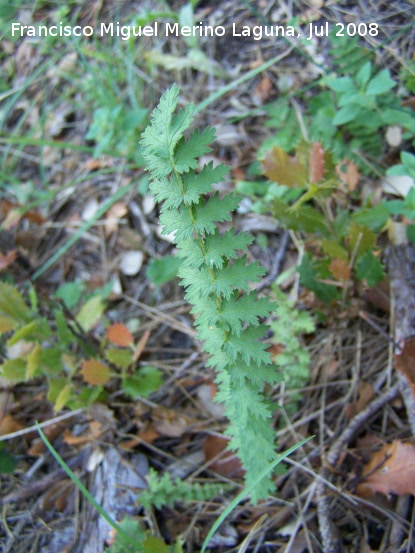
column 276, row 266
column 332, row 544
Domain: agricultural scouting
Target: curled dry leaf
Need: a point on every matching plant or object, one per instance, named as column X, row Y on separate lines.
column 391, row 470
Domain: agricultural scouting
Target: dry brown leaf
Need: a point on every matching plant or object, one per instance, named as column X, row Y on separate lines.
column 95, row 373
column 170, row 422
column 340, row 269
column 148, row 436
column 57, row 495
column 7, row 259
column 9, row 425
column 114, row 214
column 405, row 361
column 119, row 335
column 94, row 431
column 14, row 212
column 263, row 89
column 366, row 393
column 228, row 464
column 391, row 470
column 349, row 174
column 51, row 432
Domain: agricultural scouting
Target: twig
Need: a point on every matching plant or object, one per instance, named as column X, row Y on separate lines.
column 42, row 425
column 329, row 534
column 276, row 266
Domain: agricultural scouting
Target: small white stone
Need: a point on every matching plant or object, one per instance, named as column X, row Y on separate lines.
column 91, row 207
column 148, row 204
column 393, row 136
column 131, row 262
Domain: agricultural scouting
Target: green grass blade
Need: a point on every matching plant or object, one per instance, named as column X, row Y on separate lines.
column 28, row 141
column 246, row 491
column 234, row 84
column 85, row 492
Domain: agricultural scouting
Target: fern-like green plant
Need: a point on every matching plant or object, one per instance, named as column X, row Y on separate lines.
column 166, row 490
column 216, row 278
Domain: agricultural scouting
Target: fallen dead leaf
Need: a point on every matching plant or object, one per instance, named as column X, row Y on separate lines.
column 8, row 259
column 391, row 470
column 113, row 216
column 51, row 432
column 366, row 393
column 57, row 495
column 263, row 89
column 170, row 422
column 94, row 431
column 9, row 425
column 228, row 464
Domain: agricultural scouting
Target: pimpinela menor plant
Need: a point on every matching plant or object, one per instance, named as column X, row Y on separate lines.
column 216, row 276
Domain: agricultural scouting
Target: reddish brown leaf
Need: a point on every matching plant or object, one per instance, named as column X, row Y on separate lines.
column 391, row 470
column 316, row 164
column 95, row 372
column 339, row 268
column 119, row 335
column 228, row 464
column 263, row 89
column 14, row 212
column 92, row 433
column 366, row 393
column 405, row 361
column 349, row 174
column 7, row 259
column 9, row 424
column 284, row 169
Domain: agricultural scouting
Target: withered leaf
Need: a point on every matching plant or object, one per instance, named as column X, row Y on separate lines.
column 284, row 169
column 391, row 470
column 227, row 464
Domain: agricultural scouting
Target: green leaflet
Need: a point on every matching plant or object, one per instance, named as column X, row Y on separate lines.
column 217, row 278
